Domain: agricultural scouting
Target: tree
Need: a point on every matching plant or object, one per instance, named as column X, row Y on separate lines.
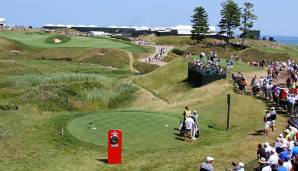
column 230, row 18
column 199, row 24
column 247, row 20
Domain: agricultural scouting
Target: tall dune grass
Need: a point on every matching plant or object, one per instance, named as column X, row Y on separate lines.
column 35, row 80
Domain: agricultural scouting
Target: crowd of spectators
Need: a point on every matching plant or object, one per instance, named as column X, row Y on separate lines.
column 222, row 43
column 212, row 65
column 159, row 56
column 283, row 154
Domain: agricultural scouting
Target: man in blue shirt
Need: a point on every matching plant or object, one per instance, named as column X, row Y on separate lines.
column 281, row 167
column 295, row 150
column 284, row 154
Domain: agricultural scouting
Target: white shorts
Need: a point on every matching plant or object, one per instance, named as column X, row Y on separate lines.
column 272, row 123
column 267, row 124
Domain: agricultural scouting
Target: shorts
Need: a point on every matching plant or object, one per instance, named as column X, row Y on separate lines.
column 267, row 124
column 272, row 124
column 187, row 131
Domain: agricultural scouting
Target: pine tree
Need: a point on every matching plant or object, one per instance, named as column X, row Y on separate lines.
column 199, row 24
column 247, row 20
column 230, row 18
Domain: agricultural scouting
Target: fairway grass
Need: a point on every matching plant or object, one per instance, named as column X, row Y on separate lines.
column 39, row 41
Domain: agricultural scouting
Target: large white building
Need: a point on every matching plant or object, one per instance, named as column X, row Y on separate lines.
column 2, row 22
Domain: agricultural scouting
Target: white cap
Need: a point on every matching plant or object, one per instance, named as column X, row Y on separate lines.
column 210, row 158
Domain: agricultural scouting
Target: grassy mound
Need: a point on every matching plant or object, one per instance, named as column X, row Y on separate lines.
column 169, row 40
column 253, row 54
column 144, row 68
column 61, row 38
column 170, row 57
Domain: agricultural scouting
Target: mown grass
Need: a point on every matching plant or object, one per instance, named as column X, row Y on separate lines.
column 62, row 38
column 52, row 93
column 38, row 41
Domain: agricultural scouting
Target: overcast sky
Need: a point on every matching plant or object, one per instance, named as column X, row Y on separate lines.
column 276, row 17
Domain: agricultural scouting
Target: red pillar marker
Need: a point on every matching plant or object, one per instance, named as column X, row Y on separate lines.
column 115, row 147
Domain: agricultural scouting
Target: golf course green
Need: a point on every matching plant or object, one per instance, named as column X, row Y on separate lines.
column 141, row 130
column 88, row 86
column 37, row 40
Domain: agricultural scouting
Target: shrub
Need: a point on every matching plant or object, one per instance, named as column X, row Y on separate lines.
column 51, row 97
column 122, row 95
column 34, row 79
column 121, row 38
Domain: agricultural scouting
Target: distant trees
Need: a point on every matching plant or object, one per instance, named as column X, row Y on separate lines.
column 247, row 20
column 230, row 18
column 199, row 24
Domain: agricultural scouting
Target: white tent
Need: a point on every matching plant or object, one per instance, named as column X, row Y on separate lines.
column 183, row 29
column 2, row 21
column 99, row 33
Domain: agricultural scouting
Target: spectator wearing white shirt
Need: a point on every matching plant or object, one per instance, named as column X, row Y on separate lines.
column 273, row 159
column 188, row 128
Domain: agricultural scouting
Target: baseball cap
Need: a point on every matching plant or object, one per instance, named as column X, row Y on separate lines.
column 210, row 158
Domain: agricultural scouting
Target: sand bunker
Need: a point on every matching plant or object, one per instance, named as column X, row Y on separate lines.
column 57, row 41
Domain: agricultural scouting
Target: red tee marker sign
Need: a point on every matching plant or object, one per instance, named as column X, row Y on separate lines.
column 115, row 147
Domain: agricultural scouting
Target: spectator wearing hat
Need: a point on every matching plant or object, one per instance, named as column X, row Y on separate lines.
column 267, row 122
column 279, row 144
column 273, row 159
column 261, row 153
column 241, row 166
column 272, row 119
column 284, row 154
column 207, row 165
column 235, row 166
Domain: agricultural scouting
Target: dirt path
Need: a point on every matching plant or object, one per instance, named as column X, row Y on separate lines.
column 157, row 48
column 131, row 61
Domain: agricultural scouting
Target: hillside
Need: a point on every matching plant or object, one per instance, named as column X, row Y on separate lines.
column 257, row 50
column 89, row 90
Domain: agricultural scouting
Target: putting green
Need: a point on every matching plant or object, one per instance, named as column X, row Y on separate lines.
column 141, row 130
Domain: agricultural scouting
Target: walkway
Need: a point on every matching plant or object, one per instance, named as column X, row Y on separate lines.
column 167, row 50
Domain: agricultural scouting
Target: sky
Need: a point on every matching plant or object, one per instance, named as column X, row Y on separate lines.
column 275, row 17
